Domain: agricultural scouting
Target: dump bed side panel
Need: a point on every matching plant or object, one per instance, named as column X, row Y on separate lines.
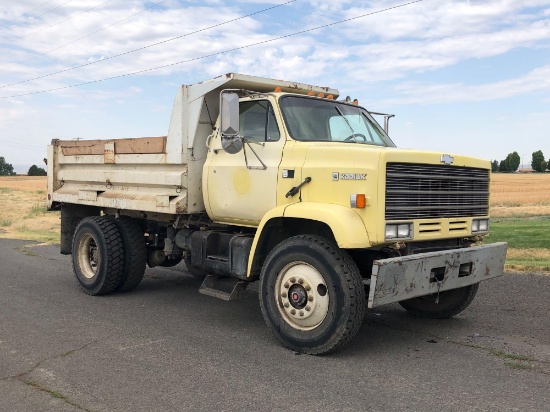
column 126, row 174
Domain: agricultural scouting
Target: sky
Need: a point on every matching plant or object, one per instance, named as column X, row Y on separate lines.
column 462, row 77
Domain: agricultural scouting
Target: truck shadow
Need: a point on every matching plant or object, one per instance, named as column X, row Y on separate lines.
column 384, row 330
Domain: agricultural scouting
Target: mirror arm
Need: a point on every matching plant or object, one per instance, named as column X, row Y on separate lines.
column 263, row 166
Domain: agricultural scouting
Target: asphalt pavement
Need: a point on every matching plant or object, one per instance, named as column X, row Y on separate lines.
column 165, row 347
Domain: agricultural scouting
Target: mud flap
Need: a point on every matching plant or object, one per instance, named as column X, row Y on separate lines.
column 407, row 277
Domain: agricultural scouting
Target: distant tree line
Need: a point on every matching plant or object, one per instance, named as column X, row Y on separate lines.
column 6, row 169
column 36, row 171
column 512, row 161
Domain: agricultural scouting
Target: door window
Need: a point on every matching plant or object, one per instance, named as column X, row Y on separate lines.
column 257, row 121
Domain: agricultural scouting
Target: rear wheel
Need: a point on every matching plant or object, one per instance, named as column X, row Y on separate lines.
column 98, row 255
column 135, row 252
column 444, row 305
column 311, row 295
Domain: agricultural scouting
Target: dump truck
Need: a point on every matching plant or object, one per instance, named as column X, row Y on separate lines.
column 283, row 184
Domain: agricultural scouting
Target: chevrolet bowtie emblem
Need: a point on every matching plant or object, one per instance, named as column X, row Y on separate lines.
column 447, row 159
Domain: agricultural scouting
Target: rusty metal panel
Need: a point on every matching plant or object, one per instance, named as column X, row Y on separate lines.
column 407, row 277
column 109, row 153
column 163, row 201
column 124, row 200
column 87, row 195
column 140, row 145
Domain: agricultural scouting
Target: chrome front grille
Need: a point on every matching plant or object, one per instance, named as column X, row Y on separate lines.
column 420, row 191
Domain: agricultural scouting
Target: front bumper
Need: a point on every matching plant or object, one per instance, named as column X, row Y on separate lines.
column 411, row 276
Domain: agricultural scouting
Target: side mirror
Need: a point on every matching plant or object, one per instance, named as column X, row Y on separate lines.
column 231, row 141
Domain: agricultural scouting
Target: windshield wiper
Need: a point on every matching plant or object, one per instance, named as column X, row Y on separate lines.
column 345, row 118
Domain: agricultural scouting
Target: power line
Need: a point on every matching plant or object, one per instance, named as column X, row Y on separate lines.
column 28, row 11
column 83, row 37
column 219, row 53
column 52, row 9
column 150, row 45
column 64, row 20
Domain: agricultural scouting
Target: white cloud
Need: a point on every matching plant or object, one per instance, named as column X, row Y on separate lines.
column 422, row 37
column 536, row 81
column 385, row 51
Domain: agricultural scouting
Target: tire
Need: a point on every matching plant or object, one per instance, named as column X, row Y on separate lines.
column 311, row 295
column 135, row 253
column 451, row 303
column 98, row 255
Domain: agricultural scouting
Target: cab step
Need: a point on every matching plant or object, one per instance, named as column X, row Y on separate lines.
column 223, row 287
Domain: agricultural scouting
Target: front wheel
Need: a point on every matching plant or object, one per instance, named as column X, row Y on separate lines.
column 311, row 295
column 441, row 305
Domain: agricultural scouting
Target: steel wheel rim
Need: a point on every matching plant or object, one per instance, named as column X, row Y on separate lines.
column 298, row 281
column 88, row 256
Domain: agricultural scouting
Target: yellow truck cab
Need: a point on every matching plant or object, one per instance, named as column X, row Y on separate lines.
column 281, row 183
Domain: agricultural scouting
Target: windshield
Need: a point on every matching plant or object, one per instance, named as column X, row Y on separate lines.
column 314, row 119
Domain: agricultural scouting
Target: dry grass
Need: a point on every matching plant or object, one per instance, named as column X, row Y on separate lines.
column 539, row 254
column 520, row 195
column 521, row 260
column 24, row 183
column 23, row 210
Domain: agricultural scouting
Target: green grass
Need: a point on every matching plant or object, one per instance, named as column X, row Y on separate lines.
column 526, row 233
column 40, row 192
column 36, row 210
column 5, row 190
column 514, row 356
column 45, row 236
column 5, row 223
column 518, row 365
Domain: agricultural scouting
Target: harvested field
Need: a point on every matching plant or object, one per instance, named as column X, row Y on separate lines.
column 520, row 195
column 23, row 210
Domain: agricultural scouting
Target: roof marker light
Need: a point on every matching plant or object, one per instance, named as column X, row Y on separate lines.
column 278, row 89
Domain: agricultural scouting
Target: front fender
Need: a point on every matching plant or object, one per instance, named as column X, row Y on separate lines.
column 346, row 225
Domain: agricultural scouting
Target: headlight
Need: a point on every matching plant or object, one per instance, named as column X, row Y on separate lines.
column 483, row 225
column 404, row 230
column 480, row 225
column 399, row 231
column 391, row 231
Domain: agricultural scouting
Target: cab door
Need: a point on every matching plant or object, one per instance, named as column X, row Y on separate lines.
column 239, row 188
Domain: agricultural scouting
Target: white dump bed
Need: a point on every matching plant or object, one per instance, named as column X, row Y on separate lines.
column 151, row 174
